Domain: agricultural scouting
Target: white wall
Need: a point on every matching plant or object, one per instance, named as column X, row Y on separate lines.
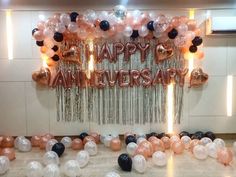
column 28, row 110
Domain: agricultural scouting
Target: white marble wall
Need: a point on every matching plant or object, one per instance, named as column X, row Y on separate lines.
column 27, row 110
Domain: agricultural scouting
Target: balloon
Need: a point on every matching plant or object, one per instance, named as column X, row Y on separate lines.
column 198, row 78
column 163, row 52
column 193, row 49
column 148, row 146
column 8, row 152
column 71, row 168
column 34, row 169
column 197, row 41
column 50, row 143
column 50, row 157
column 120, row 11
column 131, row 148
column 35, row 140
column 7, row 142
column 157, row 145
column 142, row 150
column 65, row 19
column 166, row 141
column 24, row 145
column 88, row 138
column 16, row 141
column 212, row 150
column 39, row 43
column 34, row 30
column 152, row 138
column 66, row 141
column 180, row 40
column 115, row 144
column 83, row 158
column 47, row 32
column 200, row 152
column 72, row 27
column 186, row 140
column 140, row 139
column 73, row 16
column 58, row 148
column 91, row 147
column 143, row 31
column 204, row 141
column 60, row 28
column 58, row 37
column 134, row 34
column 193, row 143
column 173, row 33
column 38, row 36
column 104, row 25
column 77, row 144
column 224, row 156
column 130, row 139
column 177, row 147
column 125, row 162
column 219, row 143
column 112, row 174
column 83, row 135
column 174, row 138
column 150, row 25
column 198, row 135
column 143, row 51
column 48, row 135
column 51, row 170
column 128, row 31
column 192, row 24
column 182, row 28
column 199, row 55
column 96, row 136
column 159, row 158
column 139, row 163
column 49, row 44
column 161, row 24
column 107, row 140
column 4, row 164
column 184, row 133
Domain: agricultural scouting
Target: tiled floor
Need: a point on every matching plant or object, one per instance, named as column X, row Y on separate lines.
column 184, row 165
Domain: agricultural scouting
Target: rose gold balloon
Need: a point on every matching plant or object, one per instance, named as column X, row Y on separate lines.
column 48, row 135
column 43, row 142
column 192, row 24
column 198, row 77
column 88, row 138
column 193, row 143
column 178, row 147
column 96, row 136
column 175, row 21
column 158, row 145
column 197, row 32
column 1, row 138
column 7, row 142
column 142, row 151
column 77, row 144
column 183, row 19
column 115, row 144
column 225, row 156
column 166, row 142
column 148, row 146
column 199, row 55
column 8, row 152
column 152, row 138
column 35, row 140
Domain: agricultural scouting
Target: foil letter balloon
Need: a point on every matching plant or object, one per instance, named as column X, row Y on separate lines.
column 42, row 77
column 198, row 78
column 163, row 52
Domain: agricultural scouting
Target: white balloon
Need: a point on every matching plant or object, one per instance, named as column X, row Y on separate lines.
column 72, row 27
column 82, row 158
column 51, row 170
column 103, row 15
column 65, row 19
column 143, row 31
column 102, row 137
column 234, row 147
column 16, row 141
column 186, row 140
column 107, row 140
column 50, row 157
column 140, row 140
column 128, row 31
column 71, row 168
column 219, row 143
column 66, row 141
column 131, row 148
column 34, row 169
column 112, row 174
column 200, row 152
column 91, row 148
column 90, row 15
column 159, row 158
column 4, row 164
column 60, row 27
column 120, row 11
column 24, row 145
column 212, row 149
column 139, row 163
column 204, row 141
column 50, row 144
column 47, row 32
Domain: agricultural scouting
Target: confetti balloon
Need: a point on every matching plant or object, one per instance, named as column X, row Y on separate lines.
column 219, row 143
column 91, row 148
column 71, row 168
column 66, row 141
column 212, row 150
column 16, row 141
column 60, row 28
column 65, row 19
column 200, row 152
column 24, row 145
column 112, row 174
column 131, row 148
column 161, row 24
column 51, row 170
column 139, row 163
column 120, row 11
column 83, row 158
column 50, row 157
column 50, row 144
column 186, row 140
column 4, row 164
column 159, row 158
column 34, row 169
column 204, row 141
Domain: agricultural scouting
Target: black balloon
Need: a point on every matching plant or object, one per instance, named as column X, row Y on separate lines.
column 34, row 30
column 197, row 41
column 210, row 135
column 73, row 16
column 193, row 48
column 55, row 58
column 173, row 33
column 197, row 135
column 39, row 43
column 184, row 133
column 58, row 37
column 83, row 135
column 160, row 135
column 104, row 25
column 58, row 148
column 150, row 25
column 125, row 162
column 134, row 34
column 130, row 139
column 55, row 48
column 151, row 134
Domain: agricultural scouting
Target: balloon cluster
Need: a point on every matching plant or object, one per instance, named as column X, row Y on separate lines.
column 119, row 23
